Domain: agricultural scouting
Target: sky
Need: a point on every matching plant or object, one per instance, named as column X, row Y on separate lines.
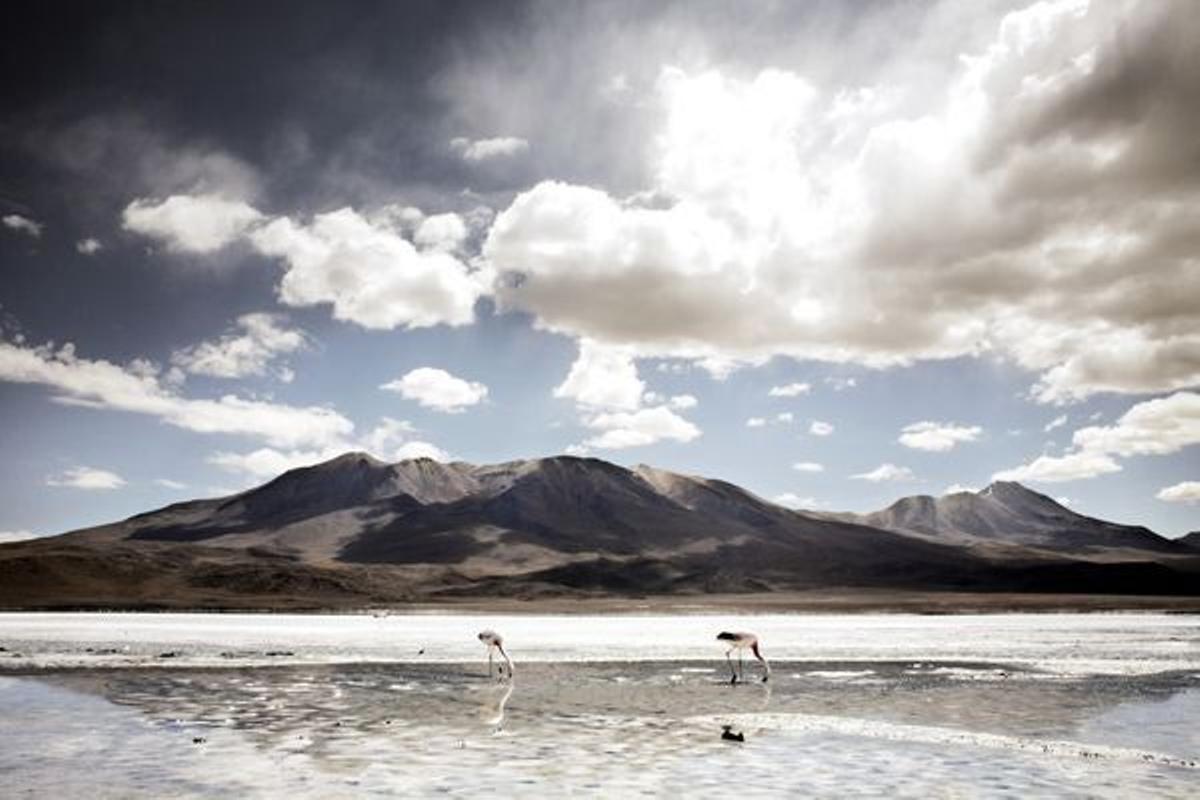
column 834, row 252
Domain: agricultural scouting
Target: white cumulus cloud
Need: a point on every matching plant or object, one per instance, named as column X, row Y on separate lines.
column 937, row 437
column 259, row 338
column 1057, row 422
column 369, row 273
column 437, row 389
column 622, row 429
column 445, row 232
column 267, row 462
column 88, row 247
column 790, row 390
column 363, row 266
column 86, row 478
column 885, row 472
column 1160, row 426
column 808, row 466
column 1059, row 469
column 682, row 402
column 20, row 224
column 390, row 440
column 191, row 224
column 384, row 440
column 1183, row 492
column 819, row 428
column 1036, row 201
column 603, row 377
column 841, row 384
column 794, row 501
column 1154, row 427
column 419, row 449
column 485, row 149
column 136, row 389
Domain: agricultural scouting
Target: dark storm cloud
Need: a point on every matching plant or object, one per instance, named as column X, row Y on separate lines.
column 328, row 103
column 295, row 107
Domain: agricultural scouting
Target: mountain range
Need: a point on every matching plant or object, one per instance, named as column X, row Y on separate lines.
column 356, row 531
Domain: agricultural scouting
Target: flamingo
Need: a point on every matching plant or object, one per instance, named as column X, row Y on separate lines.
column 742, row 642
column 495, row 641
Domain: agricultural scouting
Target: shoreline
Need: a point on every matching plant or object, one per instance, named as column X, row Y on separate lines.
column 841, row 601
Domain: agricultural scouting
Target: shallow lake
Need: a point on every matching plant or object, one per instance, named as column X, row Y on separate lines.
column 153, row 705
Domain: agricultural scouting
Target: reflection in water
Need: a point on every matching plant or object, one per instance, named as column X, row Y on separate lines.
column 766, row 698
column 492, row 711
column 760, row 704
column 366, row 697
column 614, row 728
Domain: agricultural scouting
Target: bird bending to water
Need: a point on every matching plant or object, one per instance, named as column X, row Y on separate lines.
column 742, row 642
column 495, row 642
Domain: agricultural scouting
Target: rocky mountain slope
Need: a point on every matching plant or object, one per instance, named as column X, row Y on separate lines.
column 355, row 530
column 1008, row 513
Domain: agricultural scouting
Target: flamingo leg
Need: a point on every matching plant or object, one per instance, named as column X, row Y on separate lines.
column 741, row 665
column 489, row 662
column 732, row 671
column 507, row 661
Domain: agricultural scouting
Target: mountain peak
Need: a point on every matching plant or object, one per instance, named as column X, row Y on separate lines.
column 1006, row 511
column 996, row 487
column 1017, row 495
column 584, row 525
column 352, row 458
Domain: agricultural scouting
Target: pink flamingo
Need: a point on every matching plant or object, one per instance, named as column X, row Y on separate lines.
column 742, row 642
column 494, row 642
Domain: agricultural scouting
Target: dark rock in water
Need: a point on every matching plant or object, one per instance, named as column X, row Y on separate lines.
column 728, row 735
column 168, row 654
column 280, row 653
column 198, row 740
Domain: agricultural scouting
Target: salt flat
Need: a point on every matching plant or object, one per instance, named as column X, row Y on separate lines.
column 1057, row 643
column 117, row 705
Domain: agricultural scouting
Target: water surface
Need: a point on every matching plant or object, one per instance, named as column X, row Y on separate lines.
column 903, row 706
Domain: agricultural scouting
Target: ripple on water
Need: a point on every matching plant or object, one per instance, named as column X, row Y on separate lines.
column 573, row 726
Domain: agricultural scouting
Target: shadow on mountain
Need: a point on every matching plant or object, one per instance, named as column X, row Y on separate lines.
column 354, row 531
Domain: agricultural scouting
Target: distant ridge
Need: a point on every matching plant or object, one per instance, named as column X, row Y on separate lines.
column 1009, row 513
column 357, row 530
